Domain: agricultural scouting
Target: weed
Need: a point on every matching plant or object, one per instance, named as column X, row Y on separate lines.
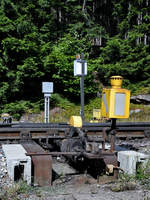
column 125, row 182
column 38, row 193
column 123, row 177
column 16, row 189
column 143, row 174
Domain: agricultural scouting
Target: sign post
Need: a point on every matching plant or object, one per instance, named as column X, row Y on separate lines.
column 47, row 89
column 80, row 69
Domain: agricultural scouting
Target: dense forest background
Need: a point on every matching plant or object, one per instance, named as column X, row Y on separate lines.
column 39, row 40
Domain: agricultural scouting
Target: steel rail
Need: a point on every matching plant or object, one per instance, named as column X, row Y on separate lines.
column 59, row 130
column 64, row 125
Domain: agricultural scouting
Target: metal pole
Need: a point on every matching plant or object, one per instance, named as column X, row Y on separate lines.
column 82, row 97
column 82, row 89
column 113, row 123
column 46, row 109
column 113, row 134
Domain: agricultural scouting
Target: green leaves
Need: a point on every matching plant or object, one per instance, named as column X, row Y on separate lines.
column 6, row 25
column 30, row 68
column 60, row 64
column 40, row 39
column 4, row 90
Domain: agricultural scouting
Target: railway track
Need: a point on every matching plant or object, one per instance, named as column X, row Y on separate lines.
column 61, row 130
column 80, row 146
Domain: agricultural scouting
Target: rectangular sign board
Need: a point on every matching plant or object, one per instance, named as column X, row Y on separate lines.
column 47, row 87
column 78, row 68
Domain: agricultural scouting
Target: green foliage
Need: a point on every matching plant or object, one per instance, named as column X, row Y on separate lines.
column 15, row 190
column 67, row 109
column 6, row 24
column 120, row 57
column 57, row 100
column 60, row 63
column 18, row 108
column 143, row 174
column 40, row 39
column 123, row 177
column 15, row 109
column 4, row 91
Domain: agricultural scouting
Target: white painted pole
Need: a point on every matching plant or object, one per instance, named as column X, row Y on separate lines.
column 46, row 109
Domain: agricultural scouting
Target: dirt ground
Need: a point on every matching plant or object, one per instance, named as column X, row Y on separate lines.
column 72, row 186
column 78, row 188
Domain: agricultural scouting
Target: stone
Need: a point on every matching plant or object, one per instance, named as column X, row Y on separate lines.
column 129, row 159
column 123, row 186
column 16, row 159
column 117, row 187
column 135, row 111
column 3, row 159
column 94, row 190
column 141, row 99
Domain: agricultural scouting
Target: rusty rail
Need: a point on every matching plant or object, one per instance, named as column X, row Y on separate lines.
column 59, row 131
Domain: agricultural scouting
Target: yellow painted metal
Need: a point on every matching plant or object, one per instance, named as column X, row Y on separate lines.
column 5, row 115
column 96, row 113
column 116, row 81
column 75, row 121
column 115, row 100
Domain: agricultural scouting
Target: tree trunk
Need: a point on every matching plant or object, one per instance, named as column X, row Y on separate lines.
column 139, row 21
column 84, row 4
column 59, row 15
column 145, row 39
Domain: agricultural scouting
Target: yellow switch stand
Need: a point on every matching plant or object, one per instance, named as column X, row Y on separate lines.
column 115, row 100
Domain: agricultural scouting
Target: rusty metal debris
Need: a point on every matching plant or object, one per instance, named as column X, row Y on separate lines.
column 42, row 164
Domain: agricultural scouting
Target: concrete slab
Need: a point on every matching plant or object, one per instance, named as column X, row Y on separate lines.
column 18, row 164
column 62, row 168
column 130, row 159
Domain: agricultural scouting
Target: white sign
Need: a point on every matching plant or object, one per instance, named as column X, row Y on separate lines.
column 120, row 104
column 78, row 68
column 105, row 102
column 47, row 87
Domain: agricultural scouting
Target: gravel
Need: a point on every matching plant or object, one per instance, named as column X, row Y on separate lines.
column 5, row 181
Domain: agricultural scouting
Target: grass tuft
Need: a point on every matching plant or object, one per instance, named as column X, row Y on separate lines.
column 13, row 192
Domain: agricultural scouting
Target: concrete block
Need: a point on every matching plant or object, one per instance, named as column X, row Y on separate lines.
column 130, row 159
column 18, row 164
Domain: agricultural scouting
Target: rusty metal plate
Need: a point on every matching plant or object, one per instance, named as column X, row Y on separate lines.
column 111, row 159
column 42, row 164
column 42, row 170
